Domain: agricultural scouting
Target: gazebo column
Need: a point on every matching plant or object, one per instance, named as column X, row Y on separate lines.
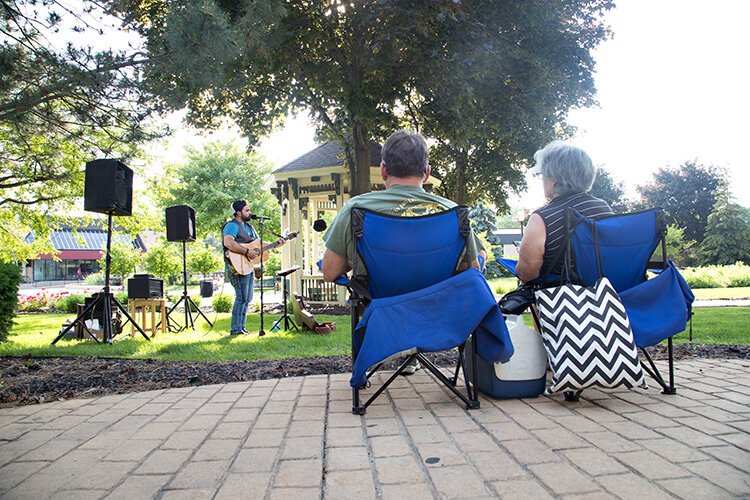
column 339, row 199
column 294, row 249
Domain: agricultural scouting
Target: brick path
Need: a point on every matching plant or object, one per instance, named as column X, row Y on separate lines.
column 296, row 438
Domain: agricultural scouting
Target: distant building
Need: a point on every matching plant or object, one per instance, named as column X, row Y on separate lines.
column 509, row 238
column 79, row 250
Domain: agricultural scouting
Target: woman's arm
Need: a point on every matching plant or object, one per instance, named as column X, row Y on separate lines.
column 531, row 251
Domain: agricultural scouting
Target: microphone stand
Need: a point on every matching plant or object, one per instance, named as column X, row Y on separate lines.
column 261, row 332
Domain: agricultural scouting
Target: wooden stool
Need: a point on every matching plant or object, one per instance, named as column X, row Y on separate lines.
column 148, row 306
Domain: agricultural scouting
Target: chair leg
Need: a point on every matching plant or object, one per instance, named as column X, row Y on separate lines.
column 572, row 396
column 670, row 350
column 357, row 409
column 653, row 371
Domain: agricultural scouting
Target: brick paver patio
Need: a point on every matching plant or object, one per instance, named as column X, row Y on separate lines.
column 296, row 438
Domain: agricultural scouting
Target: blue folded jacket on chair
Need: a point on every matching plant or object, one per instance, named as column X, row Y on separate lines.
column 658, row 308
column 449, row 312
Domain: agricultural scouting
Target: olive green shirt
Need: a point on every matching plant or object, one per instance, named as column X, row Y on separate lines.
column 404, row 201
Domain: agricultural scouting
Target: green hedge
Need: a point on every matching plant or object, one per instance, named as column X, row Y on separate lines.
column 10, row 278
column 736, row 275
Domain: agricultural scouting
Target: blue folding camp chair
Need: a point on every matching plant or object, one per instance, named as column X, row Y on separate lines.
column 412, row 300
column 658, row 308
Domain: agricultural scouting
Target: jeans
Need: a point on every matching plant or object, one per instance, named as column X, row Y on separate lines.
column 243, row 294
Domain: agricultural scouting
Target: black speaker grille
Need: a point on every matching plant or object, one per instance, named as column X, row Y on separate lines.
column 180, row 223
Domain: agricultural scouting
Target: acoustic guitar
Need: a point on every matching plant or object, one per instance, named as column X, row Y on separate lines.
column 245, row 265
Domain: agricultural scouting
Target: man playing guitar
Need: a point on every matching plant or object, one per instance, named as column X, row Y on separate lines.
column 236, row 232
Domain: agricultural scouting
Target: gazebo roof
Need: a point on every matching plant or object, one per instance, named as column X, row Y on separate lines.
column 327, row 154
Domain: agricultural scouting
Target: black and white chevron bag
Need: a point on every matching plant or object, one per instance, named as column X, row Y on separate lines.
column 588, row 338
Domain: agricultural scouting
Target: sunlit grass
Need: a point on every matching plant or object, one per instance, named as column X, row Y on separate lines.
column 34, row 333
column 722, row 293
column 712, row 325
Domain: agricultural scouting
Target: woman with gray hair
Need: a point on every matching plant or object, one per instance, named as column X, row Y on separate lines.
column 567, row 174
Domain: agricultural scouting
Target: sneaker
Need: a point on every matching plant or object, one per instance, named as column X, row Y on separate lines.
column 411, row 368
column 236, row 333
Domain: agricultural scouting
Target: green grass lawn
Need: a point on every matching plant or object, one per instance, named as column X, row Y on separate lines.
column 712, row 325
column 34, row 333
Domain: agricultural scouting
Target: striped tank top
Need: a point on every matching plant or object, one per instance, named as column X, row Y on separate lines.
column 553, row 215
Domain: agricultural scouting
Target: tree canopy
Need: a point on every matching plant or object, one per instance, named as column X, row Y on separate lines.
column 61, row 103
column 491, row 81
column 727, row 236
column 688, row 194
column 213, row 177
column 610, row 190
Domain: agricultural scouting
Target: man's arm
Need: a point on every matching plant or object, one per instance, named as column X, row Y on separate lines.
column 235, row 247
column 334, row 265
column 531, row 251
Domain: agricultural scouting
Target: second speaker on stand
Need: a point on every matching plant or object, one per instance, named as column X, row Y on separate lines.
column 181, row 228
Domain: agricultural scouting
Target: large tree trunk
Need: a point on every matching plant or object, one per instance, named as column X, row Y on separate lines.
column 360, row 170
column 459, row 195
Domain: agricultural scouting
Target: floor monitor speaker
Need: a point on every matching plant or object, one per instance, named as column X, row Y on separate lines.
column 108, row 187
column 180, row 223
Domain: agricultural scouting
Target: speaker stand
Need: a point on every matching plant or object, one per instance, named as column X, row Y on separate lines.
column 285, row 294
column 186, row 301
column 261, row 332
column 107, row 299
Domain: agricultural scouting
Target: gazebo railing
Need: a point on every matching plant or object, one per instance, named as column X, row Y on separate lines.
column 314, row 289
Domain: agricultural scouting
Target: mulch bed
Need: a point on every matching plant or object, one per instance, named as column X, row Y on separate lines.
column 30, row 380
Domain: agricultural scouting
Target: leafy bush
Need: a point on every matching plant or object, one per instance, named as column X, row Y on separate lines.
column 95, row 279
column 222, row 304
column 736, row 275
column 10, row 278
column 738, row 281
column 67, row 303
column 701, row 278
column 122, row 297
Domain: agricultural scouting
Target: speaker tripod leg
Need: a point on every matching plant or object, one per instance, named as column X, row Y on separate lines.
column 169, row 316
column 80, row 320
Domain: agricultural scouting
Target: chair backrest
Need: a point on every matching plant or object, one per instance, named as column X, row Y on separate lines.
column 626, row 244
column 403, row 254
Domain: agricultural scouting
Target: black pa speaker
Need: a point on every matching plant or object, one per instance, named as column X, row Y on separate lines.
column 180, row 223
column 108, row 187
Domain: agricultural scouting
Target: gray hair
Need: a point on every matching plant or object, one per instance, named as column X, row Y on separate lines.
column 569, row 166
column 405, row 154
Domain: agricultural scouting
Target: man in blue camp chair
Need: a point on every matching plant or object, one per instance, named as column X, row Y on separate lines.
column 404, row 169
column 418, row 271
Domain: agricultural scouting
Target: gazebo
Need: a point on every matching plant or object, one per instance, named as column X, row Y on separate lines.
column 307, row 188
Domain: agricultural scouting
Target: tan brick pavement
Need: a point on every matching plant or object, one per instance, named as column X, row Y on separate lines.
column 296, row 438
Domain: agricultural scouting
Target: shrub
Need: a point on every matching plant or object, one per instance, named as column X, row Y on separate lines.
column 67, row 303
column 95, row 279
column 739, row 280
column 122, row 297
column 737, row 275
column 703, row 277
column 222, row 304
column 10, row 278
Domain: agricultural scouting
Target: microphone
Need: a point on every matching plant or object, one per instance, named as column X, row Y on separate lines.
column 320, row 225
column 259, row 217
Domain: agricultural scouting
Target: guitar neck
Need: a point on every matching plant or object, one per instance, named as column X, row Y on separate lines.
column 270, row 246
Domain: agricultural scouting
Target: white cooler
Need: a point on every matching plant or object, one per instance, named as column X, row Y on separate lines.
column 524, row 376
